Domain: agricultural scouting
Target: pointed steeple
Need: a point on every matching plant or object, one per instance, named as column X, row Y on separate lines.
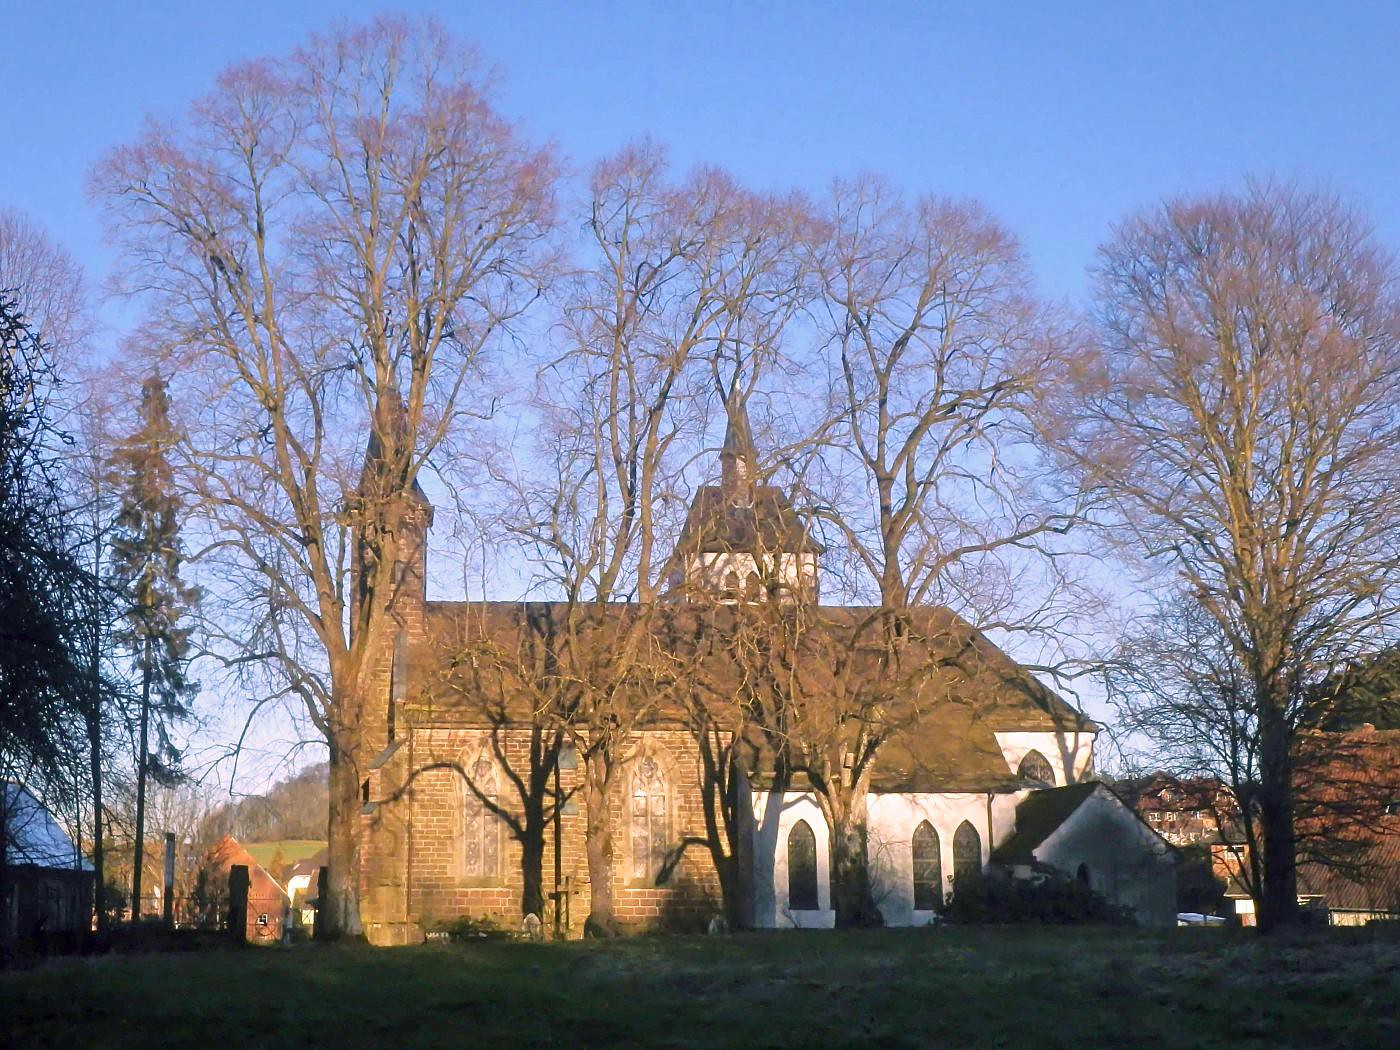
column 738, row 457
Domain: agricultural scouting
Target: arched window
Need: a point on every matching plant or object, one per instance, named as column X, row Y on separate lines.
column 650, row 812
column 1036, row 771
column 928, row 869
column 802, row 867
column 1083, row 875
column 730, row 591
column 967, row 856
column 753, row 588
column 481, row 827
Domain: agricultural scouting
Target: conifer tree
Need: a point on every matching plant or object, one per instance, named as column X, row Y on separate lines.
column 146, row 557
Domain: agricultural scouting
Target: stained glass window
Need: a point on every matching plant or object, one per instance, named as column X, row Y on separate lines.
column 1036, row 771
column 802, row 867
column 482, row 831
column 928, row 869
column 650, row 810
column 967, row 856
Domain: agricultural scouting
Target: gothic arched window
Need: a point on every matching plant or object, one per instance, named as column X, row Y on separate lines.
column 481, row 829
column 967, row 856
column 928, row 869
column 650, row 812
column 1035, row 770
column 802, row 867
column 730, row 591
column 1082, row 876
column 753, row 588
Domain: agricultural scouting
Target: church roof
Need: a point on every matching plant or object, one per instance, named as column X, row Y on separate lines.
column 764, row 522
column 959, row 689
column 738, row 435
column 374, row 454
column 1038, row 816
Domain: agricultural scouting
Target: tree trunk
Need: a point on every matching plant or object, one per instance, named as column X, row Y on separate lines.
column 532, row 868
column 138, row 858
column 851, row 894
column 339, row 908
column 1278, row 887
column 598, row 849
column 720, row 797
column 94, row 733
column 94, row 729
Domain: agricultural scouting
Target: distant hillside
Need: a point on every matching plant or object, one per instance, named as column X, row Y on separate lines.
column 292, row 809
column 280, row 854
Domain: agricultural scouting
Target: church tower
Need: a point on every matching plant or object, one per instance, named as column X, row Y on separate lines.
column 403, row 536
column 742, row 540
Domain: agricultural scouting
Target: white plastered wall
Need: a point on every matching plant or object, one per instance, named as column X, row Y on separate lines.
column 774, row 816
column 892, row 819
column 1070, row 754
column 796, row 572
column 1125, row 861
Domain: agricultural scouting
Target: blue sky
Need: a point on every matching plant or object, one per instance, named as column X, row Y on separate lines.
column 1062, row 117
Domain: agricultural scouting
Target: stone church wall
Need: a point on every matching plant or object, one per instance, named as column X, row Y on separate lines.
column 415, row 854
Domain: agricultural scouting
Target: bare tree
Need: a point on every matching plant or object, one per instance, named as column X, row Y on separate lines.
column 47, row 283
column 926, row 474
column 679, row 279
column 327, row 247
column 1239, row 410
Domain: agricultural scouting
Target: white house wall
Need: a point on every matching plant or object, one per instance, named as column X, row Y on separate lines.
column 1070, row 754
column 774, row 816
column 892, row 819
column 796, row 572
column 1126, row 861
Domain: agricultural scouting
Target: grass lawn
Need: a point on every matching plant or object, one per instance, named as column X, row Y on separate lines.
column 1014, row 987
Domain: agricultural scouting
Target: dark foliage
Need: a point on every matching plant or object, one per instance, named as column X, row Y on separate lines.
column 42, row 686
column 1050, row 900
column 1197, row 887
column 146, row 559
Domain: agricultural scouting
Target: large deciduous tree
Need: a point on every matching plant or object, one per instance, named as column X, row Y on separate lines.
column 939, row 354
column 679, row 277
column 1242, row 411
column 327, row 245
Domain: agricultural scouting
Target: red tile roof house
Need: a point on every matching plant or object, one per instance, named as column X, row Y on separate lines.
column 1348, row 827
column 46, row 885
column 268, row 902
column 1349, row 837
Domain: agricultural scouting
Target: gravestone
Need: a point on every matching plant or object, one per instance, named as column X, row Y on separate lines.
column 168, row 887
column 238, row 902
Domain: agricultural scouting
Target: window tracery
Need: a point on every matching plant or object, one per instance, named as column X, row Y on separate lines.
column 802, row 868
column 1035, row 771
column 481, row 830
column 928, row 869
column 650, row 813
column 967, row 856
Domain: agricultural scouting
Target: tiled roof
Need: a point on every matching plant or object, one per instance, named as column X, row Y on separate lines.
column 1038, row 816
column 958, row 688
column 761, row 521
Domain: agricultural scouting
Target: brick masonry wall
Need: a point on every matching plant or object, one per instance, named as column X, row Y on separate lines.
column 414, row 854
column 412, row 844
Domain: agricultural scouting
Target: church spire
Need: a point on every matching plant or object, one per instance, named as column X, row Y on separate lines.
column 738, row 458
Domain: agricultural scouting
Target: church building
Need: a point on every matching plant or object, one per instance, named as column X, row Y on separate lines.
column 997, row 776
